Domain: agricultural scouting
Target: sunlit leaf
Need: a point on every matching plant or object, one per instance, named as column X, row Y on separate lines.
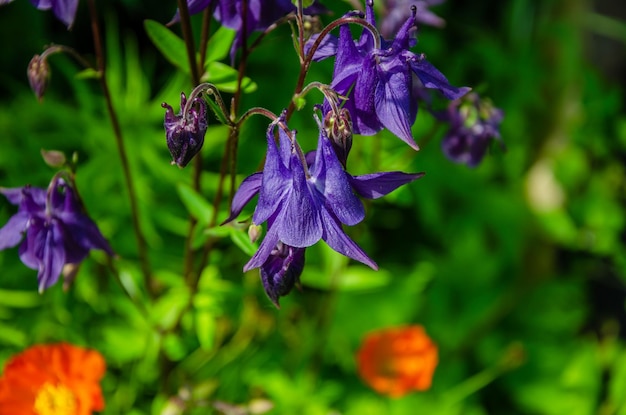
column 218, row 46
column 196, row 204
column 170, row 45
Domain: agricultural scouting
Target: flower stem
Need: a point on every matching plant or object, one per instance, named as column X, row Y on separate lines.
column 142, row 252
column 304, row 67
column 185, row 23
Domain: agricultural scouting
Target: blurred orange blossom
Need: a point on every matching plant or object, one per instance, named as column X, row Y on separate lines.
column 55, row 379
column 395, row 361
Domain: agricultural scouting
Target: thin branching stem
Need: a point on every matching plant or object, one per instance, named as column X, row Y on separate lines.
column 142, row 251
column 304, row 67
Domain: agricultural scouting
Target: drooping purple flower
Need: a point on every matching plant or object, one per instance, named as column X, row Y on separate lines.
column 259, row 15
column 305, row 199
column 185, row 132
column 379, row 81
column 474, row 123
column 64, row 10
column 397, row 11
column 282, row 270
column 54, row 228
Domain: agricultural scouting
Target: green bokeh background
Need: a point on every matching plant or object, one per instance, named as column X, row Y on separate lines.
column 516, row 268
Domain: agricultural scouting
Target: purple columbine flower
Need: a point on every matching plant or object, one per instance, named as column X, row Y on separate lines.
column 185, row 132
column 56, row 229
column 305, row 199
column 474, row 123
column 378, row 81
column 260, row 14
column 397, row 11
column 64, row 10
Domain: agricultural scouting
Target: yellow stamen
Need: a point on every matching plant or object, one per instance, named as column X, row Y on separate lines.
column 55, row 400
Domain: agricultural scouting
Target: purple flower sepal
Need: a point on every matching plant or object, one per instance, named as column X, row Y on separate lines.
column 54, row 228
column 474, row 123
column 185, row 132
column 281, row 271
column 378, row 81
column 64, row 10
column 305, row 199
column 396, row 12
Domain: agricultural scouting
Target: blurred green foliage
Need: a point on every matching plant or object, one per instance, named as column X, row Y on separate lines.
column 516, row 269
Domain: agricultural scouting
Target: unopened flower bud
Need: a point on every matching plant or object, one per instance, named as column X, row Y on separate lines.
column 339, row 130
column 255, row 232
column 53, row 158
column 38, row 73
column 185, row 131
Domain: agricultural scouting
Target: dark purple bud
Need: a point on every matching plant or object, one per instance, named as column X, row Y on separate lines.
column 185, row 132
column 339, row 129
column 38, row 73
column 282, row 270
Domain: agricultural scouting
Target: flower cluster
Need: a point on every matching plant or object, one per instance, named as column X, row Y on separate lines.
column 381, row 79
column 395, row 361
column 474, row 123
column 56, row 228
column 304, row 199
column 52, row 379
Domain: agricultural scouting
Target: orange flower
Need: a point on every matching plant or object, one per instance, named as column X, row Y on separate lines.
column 56, row 379
column 396, row 361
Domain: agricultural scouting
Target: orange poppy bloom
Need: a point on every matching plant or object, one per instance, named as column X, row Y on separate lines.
column 56, row 379
column 396, row 361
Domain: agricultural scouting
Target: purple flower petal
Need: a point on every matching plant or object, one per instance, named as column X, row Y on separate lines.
column 247, row 190
column 373, row 186
column 13, row 231
column 336, row 238
column 432, row 78
column 394, row 107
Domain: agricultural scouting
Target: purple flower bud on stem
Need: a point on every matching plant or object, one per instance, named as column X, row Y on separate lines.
column 38, row 73
column 185, row 131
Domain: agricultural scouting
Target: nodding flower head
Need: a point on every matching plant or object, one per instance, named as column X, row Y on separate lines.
column 185, row 132
column 53, row 229
column 282, row 270
column 474, row 123
column 38, row 73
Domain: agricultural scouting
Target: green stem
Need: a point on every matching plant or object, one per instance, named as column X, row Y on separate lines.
column 185, row 23
column 119, row 140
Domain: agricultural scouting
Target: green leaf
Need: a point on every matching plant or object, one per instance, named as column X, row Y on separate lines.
column 168, row 308
column 242, row 240
column 205, row 329
column 174, row 347
column 219, row 44
column 170, row 45
column 352, row 279
column 11, row 335
column 221, row 117
column 225, row 78
column 21, row 299
column 195, row 203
